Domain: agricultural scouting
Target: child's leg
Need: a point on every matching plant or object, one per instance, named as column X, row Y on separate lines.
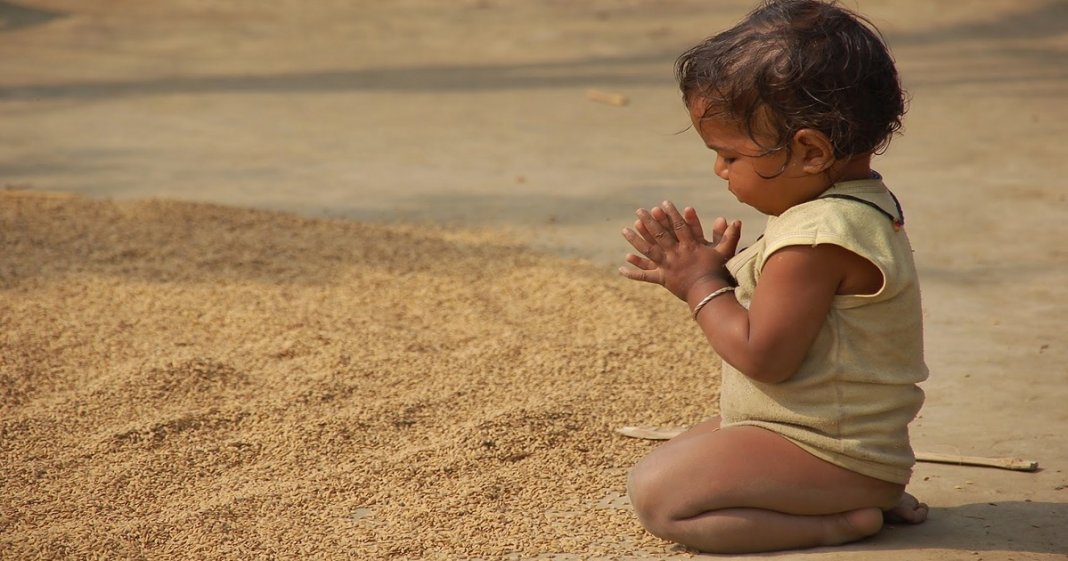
column 745, row 489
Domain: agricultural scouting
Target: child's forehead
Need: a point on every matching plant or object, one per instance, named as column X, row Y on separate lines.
column 704, row 111
column 715, row 122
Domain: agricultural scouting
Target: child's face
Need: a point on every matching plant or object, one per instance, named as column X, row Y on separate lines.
column 756, row 178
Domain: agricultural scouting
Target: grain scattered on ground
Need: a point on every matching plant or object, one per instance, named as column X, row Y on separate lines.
column 184, row 381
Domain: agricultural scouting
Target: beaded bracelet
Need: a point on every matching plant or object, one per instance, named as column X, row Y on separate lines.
column 707, row 299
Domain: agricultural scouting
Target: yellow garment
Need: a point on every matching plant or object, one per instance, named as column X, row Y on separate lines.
column 852, row 398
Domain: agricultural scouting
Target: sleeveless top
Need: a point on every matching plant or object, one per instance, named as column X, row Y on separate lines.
column 852, row 398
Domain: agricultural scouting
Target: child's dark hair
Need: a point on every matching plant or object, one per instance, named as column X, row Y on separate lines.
column 796, row 64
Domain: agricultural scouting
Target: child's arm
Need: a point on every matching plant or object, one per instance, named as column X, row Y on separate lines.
column 768, row 341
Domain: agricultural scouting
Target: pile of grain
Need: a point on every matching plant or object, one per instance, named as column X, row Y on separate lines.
column 186, row 381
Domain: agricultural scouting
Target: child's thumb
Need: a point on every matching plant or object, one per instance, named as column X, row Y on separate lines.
column 731, row 235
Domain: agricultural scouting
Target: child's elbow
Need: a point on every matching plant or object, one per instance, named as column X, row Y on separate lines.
column 769, row 376
column 767, row 371
column 767, row 363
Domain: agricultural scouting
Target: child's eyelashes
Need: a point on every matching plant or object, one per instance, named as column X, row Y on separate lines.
column 728, row 159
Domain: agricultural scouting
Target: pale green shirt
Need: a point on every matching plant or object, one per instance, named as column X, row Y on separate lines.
column 855, row 393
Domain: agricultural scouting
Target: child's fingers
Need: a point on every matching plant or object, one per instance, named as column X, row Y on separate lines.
column 663, row 237
column 644, row 233
column 719, row 226
column 640, row 243
column 679, row 226
column 661, row 217
column 654, row 276
column 640, row 262
column 728, row 245
column 690, row 215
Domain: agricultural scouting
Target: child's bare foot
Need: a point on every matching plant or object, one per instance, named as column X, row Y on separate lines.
column 854, row 525
column 907, row 511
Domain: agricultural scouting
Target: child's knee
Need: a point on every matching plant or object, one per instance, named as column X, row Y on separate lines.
column 648, row 497
column 639, row 484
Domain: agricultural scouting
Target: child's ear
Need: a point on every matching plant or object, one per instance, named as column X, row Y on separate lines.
column 814, row 149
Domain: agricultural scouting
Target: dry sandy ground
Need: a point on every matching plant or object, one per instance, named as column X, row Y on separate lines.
column 193, row 380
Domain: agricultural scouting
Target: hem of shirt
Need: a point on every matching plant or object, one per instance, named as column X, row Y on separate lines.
column 880, row 471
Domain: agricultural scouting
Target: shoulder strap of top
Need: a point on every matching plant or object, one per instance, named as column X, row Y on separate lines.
column 895, row 220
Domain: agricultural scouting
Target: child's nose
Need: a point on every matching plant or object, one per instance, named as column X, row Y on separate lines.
column 720, row 167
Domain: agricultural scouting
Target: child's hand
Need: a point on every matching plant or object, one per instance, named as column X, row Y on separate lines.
column 676, row 253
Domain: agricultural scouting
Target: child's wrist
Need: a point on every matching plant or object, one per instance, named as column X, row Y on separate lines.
column 704, row 286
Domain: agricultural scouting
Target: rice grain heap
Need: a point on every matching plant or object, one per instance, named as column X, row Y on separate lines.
column 186, row 381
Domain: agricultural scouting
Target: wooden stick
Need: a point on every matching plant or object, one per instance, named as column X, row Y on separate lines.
column 1015, row 464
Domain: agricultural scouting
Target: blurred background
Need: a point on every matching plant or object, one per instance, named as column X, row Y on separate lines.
column 475, row 113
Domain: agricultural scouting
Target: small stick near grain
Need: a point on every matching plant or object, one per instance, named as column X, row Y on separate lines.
column 651, row 433
column 1015, row 464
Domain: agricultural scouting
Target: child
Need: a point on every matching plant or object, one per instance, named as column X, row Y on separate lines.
column 818, row 322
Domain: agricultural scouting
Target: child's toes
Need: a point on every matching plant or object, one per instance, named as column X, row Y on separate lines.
column 907, row 511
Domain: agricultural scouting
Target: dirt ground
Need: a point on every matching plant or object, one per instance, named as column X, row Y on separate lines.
column 375, row 119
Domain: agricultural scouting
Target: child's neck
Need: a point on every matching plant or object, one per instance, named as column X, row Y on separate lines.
column 852, row 169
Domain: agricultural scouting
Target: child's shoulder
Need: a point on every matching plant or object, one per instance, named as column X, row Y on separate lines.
column 862, row 203
column 854, row 214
